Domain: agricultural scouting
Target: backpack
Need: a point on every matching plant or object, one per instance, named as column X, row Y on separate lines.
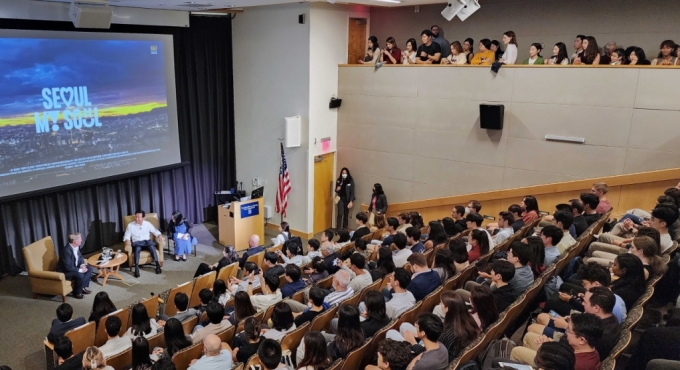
column 292, row 240
column 572, row 267
column 499, row 348
column 287, row 359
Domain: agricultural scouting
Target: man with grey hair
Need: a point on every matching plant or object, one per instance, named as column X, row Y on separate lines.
column 330, row 256
column 73, row 266
column 606, row 55
column 341, row 291
column 216, row 355
column 253, row 248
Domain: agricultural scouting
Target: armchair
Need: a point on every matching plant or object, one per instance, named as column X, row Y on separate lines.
column 144, row 257
column 41, row 263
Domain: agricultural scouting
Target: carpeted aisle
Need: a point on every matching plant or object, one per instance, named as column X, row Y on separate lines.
column 25, row 322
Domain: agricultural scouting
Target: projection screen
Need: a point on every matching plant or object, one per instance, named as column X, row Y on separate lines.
column 77, row 107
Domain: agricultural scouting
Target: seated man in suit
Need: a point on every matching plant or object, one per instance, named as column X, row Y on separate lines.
column 74, row 268
column 253, row 248
column 137, row 234
column 64, row 322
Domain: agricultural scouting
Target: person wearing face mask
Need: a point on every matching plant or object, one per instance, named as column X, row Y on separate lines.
column 344, row 196
column 391, row 53
column 378, row 202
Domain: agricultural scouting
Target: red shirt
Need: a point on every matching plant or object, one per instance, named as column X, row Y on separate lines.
column 474, row 253
column 528, row 217
column 396, row 54
column 587, row 361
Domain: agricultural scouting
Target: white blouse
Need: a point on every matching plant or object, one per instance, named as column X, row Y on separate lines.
column 457, row 59
column 411, row 58
column 510, row 54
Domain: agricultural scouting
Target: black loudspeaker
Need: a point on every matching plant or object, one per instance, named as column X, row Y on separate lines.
column 335, row 103
column 491, row 116
column 302, row 18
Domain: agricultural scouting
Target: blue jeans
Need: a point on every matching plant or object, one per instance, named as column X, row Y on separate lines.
column 144, row 245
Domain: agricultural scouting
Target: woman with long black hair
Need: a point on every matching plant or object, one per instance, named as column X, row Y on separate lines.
column 373, row 46
column 175, row 339
column 316, row 354
column 101, row 306
column 140, row 355
column 378, row 203
column 344, row 192
column 631, row 283
column 142, row 325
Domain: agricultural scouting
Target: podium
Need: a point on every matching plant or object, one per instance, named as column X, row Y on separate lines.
column 241, row 220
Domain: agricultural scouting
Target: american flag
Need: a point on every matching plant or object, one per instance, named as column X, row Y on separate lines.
column 284, row 186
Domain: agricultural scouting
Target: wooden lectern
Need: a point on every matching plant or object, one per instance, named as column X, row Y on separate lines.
column 241, row 220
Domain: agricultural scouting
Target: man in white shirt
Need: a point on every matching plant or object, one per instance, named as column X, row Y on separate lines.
column 271, row 294
column 505, row 221
column 563, row 220
column 237, row 285
column 115, row 344
column 137, row 235
column 360, row 278
column 400, row 258
column 217, row 324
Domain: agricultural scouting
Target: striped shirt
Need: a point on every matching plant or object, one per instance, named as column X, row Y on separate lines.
column 337, row 297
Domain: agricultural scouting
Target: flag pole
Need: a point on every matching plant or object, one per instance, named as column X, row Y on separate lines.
column 280, row 163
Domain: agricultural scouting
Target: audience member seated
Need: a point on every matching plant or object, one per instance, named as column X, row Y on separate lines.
column 429, row 52
column 392, row 355
column 590, row 53
column 94, row 359
column 364, row 248
column 600, row 189
column 534, row 55
column 537, row 260
column 215, row 356
column 391, row 230
column 563, row 220
column 295, row 283
column 284, row 233
column 424, row 280
column 459, row 254
column 646, row 249
column 578, row 47
column 64, row 322
column 217, row 323
column 401, row 256
column 206, row 296
column 343, row 239
column 141, row 360
column 271, row 294
column 175, row 339
column 483, row 308
column 432, row 354
column 373, row 313
column 583, row 334
column 238, row 285
column 341, row 291
column 253, row 248
column 220, row 293
column 66, row 360
column 458, row 216
column 519, row 255
column 349, row 336
column 485, row 56
column 101, row 306
column 251, row 337
column 605, row 252
column 404, row 222
column 443, row 264
column 282, row 322
column 617, row 57
column 551, row 236
column 409, row 55
column 413, row 240
column 460, row 328
column 479, row 244
column 362, row 230
column 313, row 249
column 505, row 231
column 457, row 57
column 391, row 54
column 555, row 355
column 436, row 236
column 579, row 221
column 360, row 278
column 229, row 256
column 656, row 343
column 590, row 203
column 316, row 272
column 560, row 56
column 385, row 264
column 402, row 299
column 474, row 221
column 73, row 266
column 316, row 306
column 502, row 273
column 273, row 267
column 469, row 49
column 243, row 308
column 637, row 57
column 270, row 355
column 316, row 352
column 598, row 301
column 329, row 257
column 667, row 54
column 115, row 343
column 631, row 283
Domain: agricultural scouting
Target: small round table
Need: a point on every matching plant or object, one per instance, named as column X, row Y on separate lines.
column 110, row 268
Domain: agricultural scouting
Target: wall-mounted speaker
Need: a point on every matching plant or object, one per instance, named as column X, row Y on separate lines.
column 96, row 14
column 293, row 131
column 302, row 18
column 335, row 103
column 491, row 116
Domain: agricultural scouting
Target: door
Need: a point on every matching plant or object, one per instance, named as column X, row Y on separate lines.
column 357, row 40
column 323, row 194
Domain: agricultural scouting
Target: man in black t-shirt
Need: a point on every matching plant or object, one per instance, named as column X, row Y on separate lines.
column 429, row 52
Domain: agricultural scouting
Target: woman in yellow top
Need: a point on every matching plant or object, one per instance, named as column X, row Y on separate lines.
column 485, row 56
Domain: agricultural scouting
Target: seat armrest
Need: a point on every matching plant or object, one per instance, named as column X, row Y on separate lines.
column 47, row 275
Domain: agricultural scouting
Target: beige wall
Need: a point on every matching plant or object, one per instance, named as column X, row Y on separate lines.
column 628, row 22
column 416, row 129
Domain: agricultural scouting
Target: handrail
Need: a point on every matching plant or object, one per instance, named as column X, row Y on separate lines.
column 618, row 180
column 512, row 66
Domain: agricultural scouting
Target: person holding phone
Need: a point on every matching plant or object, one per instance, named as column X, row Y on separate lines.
column 344, row 196
column 391, row 54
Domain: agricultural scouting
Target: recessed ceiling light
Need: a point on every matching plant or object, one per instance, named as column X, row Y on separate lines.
column 390, row 1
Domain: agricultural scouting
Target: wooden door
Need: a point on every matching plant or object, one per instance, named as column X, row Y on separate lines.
column 323, row 196
column 357, row 40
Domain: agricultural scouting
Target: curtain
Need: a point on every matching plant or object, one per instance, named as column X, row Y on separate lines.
column 204, row 83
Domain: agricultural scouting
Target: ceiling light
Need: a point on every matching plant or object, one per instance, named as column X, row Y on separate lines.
column 390, row 1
